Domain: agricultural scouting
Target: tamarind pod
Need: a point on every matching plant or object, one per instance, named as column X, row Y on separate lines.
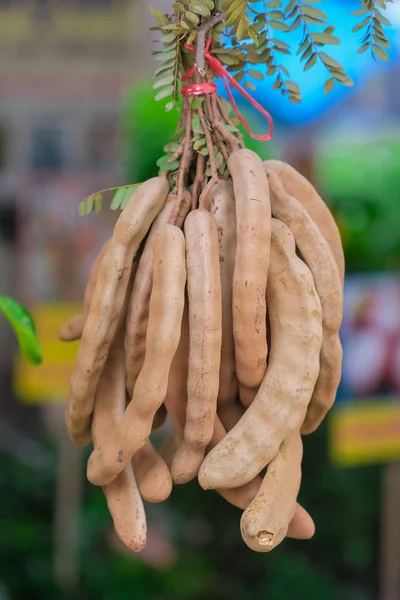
column 299, row 187
column 301, row 526
column 122, row 495
column 265, row 522
column 152, row 474
column 222, row 204
column 107, row 302
column 280, row 405
column 72, row 329
column 253, row 229
column 317, row 254
column 138, row 311
column 247, row 395
column 205, row 323
column 163, row 333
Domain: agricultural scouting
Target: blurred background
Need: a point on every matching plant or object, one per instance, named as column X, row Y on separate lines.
column 76, row 115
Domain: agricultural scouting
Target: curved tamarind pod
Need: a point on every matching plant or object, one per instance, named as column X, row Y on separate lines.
column 301, row 526
column 138, row 310
column 280, row 405
column 73, row 328
column 265, row 522
column 317, row 255
column 247, row 395
column 123, row 497
column 163, row 333
column 222, row 204
column 253, row 229
column 152, row 474
column 107, row 302
column 299, row 187
column 205, row 324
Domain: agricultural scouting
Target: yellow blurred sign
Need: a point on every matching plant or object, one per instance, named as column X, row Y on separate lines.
column 365, row 433
column 48, row 383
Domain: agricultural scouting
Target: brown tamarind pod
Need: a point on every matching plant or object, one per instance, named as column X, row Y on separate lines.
column 253, row 233
column 152, row 474
column 205, row 325
column 222, row 208
column 265, row 522
column 163, row 333
column 107, row 302
column 317, row 254
column 72, row 329
column 280, row 405
column 299, row 187
column 138, row 310
column 301, row 526
column 123, row 496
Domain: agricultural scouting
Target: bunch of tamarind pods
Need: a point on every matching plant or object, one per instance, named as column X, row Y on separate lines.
column 226, row 321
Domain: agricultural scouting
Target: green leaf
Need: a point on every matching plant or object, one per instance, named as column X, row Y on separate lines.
column 316, row 13
column 132, row 189
column 24, row 328
column 361, row 25
column 359, row 13
column 250, row 85
column 164, row 165
column 196, row 102
column 284, row 70
column 199, row 9
column 278, row 25
column 272, row 70
column 169, row 106
column 307, row 52
column 82, row 208
column 313, row 20
column 381, row 18
column 363, row 48
column 296, row 23
column 311, row 62
column 381, row 40
column 161, row 18
column 192, row 17
column 165, row 80
column 292, row 4
column 163, row 93
column 329, row 61
column 303, row 45
column 242, row 28
column 256, row 75
column 199, row 143
column 277, row 84
column 165, row 56
column 325, row 38
column 167, row 66
column 122, row 194
column 98, row 202
column 380, row 52
column 167, row 38
column 178, row 7
column 276, row 14
column 328, row 85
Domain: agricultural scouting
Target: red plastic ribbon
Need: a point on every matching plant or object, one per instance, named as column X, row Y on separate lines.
column 217, row 67
column 198, row 89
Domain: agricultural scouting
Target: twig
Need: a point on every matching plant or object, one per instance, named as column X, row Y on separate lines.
column 199, row 179
column 214, row 117
column 202, row 31
column 177, row 154
column 211, row 157
column 184, row 162
column 205, row 193
column 227, row 118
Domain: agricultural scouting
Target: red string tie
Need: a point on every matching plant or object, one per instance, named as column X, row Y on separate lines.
column 198, row 89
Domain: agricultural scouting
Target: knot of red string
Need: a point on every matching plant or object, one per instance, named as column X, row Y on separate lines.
column 197, row 89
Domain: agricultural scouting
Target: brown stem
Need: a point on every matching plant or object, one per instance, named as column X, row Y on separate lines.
column 228, row 137
column 203, row 201
column 199, row 179
column 184, row 162
column 227, row 118
column 202, row 31
column 211, row 157
column 213, row 114
column 177, row 154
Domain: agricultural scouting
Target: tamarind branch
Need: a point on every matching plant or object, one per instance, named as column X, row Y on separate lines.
column 202, row 31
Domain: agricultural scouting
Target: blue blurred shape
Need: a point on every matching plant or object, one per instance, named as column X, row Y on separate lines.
column 360, row 67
